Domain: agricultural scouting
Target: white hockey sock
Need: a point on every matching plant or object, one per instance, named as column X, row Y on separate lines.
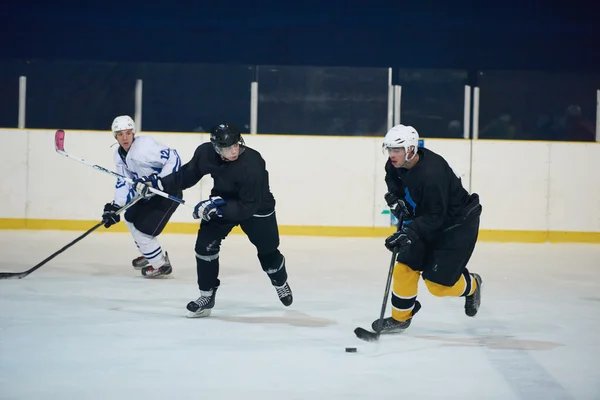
column 148, row 246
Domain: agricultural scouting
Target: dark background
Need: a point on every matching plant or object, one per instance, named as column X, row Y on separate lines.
column 197, row 59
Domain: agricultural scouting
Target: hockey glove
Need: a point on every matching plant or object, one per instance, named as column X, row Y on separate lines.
column 399, row 206
column 402, row 238
column 109, row 217
column 142, row 185
column 208, row 209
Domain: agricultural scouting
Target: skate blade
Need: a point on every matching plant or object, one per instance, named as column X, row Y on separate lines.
column 155, row 276
column 155, row 273
column 198, row 314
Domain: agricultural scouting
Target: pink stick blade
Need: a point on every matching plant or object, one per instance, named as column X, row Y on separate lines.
column 59, row 140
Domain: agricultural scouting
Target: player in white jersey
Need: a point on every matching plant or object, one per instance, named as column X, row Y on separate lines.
column 137, row 157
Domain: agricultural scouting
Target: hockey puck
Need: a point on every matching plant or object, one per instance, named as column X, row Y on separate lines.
column 350, row 349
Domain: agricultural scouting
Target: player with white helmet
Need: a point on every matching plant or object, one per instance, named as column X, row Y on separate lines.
column 440, row 230
column 137, row 157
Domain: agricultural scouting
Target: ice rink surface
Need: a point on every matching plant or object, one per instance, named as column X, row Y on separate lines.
column 88, row 326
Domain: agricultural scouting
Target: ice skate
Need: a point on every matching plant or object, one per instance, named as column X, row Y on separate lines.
column 139, row 263
column 285, row 294
column 473, row 301
column 390, row 325
column 151, row 272
column 202, row 307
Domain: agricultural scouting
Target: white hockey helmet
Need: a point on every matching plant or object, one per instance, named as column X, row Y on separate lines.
column 402, row 136
column 121, row 123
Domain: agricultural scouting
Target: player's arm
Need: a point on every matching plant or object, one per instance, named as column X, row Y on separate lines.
column 186, row 176
column 168, row 160
column 395, row 196
column 123, row 195
column 393, row 182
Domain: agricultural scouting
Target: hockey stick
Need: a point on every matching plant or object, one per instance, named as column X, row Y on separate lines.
column 364, row 334
column 59, row 145
column 20, row 275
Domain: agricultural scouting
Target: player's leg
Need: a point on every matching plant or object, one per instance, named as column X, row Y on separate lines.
column 208, row 245
column 447, row 275
column 404, row 289
column 263, row 232
column 145, row 222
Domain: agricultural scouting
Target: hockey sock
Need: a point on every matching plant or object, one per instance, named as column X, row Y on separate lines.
column 207, row 269
column 148, row 246
column 404, row 291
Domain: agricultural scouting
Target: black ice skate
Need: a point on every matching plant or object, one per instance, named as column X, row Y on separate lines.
column 151, row 272
column 473, row 301
column 202, row 307
column 390, row 325
column 285, row 294
column 140, row 262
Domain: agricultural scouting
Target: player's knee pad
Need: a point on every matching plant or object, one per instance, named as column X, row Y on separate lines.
column 207, row 250
column 140, row 238
column 438, row 289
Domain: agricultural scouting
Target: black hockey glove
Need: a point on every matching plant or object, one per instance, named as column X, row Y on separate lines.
column 208, row 209
column 109, row 217
column 399, row 206
column 142, row 185
column 402, row 238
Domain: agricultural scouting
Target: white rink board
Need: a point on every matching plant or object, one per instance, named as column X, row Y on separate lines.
column 13, row 174
column 324, row 181
column 512, row 180
column 321, row 181
column 574, row 187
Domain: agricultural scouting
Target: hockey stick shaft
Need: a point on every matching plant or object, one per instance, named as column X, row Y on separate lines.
column 59, row 143
column 386, row 294
column 19, row 275
column 364, row 334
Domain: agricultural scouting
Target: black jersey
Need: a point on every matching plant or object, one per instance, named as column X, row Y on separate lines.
column 437, row 192
column 243, row 183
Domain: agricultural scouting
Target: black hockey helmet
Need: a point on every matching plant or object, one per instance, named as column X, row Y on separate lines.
column 224, row 135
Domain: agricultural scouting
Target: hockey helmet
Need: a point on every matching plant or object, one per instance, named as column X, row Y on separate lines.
column 121, row 123
column 225, row 135
column 402, row 136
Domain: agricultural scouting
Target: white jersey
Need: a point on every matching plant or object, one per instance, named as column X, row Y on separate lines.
column 145, row 157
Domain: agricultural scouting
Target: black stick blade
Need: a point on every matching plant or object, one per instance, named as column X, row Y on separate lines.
column 364, row 334
column 12, row 275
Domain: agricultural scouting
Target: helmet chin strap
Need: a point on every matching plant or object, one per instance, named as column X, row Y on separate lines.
column 408, row 160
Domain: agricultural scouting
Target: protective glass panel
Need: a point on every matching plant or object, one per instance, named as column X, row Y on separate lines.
column 78, row 95
column 538, row 105
column 9, row 93
column 433, row 101
column 194, row 97
column 322, row 101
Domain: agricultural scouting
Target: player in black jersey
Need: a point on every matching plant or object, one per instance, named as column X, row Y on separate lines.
column 240, row 196
column 440, row 229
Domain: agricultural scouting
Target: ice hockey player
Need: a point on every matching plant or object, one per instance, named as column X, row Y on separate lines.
column 142, row 156
column 240, row 196
column 440, row 230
